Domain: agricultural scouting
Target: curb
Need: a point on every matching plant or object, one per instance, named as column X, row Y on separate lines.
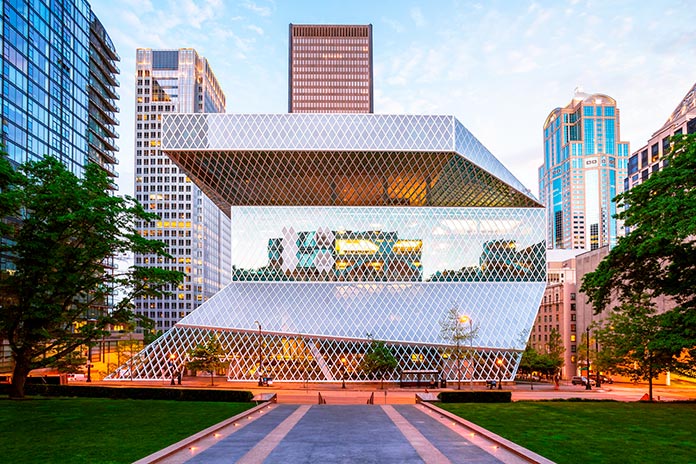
column 511, row 447
column 166, row 454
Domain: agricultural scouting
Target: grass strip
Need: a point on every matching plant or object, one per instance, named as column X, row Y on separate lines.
column 98, row 430
column 597, row 432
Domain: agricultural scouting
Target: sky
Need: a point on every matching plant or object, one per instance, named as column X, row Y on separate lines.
column 500, row 67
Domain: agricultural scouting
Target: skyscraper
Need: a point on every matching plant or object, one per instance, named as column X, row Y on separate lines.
column 58, row 80
column 197, row 232
column 330, row 69
column 58, row 66
column 650, row 157
column 584, row 167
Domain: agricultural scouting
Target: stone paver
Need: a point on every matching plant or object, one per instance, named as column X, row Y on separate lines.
column 233, row 447
column 451, row 444
column 344, row 434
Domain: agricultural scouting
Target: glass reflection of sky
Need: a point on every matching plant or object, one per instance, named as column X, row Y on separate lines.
column 452, row 237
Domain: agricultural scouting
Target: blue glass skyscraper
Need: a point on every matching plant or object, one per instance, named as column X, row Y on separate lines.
column 584, row 166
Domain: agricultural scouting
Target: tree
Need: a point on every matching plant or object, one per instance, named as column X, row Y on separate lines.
column 553, row 357
column 378, row 360
column 658, row 257
column 206, row 357
column 631, row 345
column 55, row 286
column 529, row 361
column 459, row 332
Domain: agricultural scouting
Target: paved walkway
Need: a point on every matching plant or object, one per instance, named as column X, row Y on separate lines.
column 348, row 434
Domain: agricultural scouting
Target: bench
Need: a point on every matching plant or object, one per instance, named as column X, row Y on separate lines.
column 264, row 397
column 490, row 384
column 426, row 398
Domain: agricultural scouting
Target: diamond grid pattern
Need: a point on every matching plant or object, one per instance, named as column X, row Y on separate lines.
column 298, row 357
column 394, row 136
column 348, row 225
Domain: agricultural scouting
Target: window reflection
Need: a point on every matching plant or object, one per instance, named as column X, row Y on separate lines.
column 368, row 244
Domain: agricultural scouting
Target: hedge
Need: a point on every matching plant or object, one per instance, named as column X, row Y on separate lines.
column 494, row 396
column 135, row 393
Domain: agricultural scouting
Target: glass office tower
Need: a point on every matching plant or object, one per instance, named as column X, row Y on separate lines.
column 352, row 227
column 59, row 81
column 584, row 166
column 58, row 63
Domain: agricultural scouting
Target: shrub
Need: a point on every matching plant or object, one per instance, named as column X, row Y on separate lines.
column 475, row 396
column 136, row 393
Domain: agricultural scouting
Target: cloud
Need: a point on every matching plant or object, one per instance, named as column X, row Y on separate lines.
column 394, row 24
column 259, row 10
column 256, row 29
column 417, row 17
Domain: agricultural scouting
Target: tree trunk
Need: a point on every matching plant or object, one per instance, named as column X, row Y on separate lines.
column 19, row 377
column 212, row 378
column 650, row 381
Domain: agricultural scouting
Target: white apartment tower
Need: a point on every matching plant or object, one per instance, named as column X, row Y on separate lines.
column 196, row 231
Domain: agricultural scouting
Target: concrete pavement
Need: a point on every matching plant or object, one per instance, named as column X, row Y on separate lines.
column 386, row 434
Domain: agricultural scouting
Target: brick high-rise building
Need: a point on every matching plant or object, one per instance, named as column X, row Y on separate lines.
column 330, row 69
column 197, row 232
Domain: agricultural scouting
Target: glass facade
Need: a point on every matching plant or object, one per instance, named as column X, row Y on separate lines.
column 579, row 191
column 58, row 85
column 48, row 83
column 336, row 239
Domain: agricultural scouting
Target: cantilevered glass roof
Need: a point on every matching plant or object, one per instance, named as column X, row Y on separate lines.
column 339, row 159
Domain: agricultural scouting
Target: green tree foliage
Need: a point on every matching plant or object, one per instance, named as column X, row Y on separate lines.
column 547, row 361
column 459, row 332
column 378, row 361
column 630, row 341
column 207, row 358
column 658, row 257
column 54, row 285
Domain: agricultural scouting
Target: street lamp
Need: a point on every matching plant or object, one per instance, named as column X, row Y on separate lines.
column 260, row 359
column 343, row 372
column 89, row 363
column 587, row 383
column 464, row 320
column 172, row 357
column 499, row 362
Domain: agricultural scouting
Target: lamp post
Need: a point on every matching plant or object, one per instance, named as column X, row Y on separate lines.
column 343, row 372
column 587, row 383
column 464, row 320
column 499, row 362
column 172, row 357
column 89, row 363
column 260, row 358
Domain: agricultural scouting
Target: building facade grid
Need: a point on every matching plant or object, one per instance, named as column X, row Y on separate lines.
column 196, row 231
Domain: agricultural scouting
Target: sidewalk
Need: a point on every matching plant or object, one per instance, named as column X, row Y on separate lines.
column 358, row 393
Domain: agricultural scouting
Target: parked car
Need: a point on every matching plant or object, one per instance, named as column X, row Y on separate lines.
column 605, row 379
column 581, row 380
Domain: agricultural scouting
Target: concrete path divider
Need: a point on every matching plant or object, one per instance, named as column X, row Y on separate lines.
column 183, row 450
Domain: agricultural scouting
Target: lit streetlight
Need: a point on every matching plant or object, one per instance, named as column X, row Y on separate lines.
column 343, row 372
column 464, row 320
column 499, row 362
column 587, row 383
column 172, row 357
column 260, row 358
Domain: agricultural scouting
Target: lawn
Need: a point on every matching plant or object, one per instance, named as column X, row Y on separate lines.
column 596, row 432
column 96, row 430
